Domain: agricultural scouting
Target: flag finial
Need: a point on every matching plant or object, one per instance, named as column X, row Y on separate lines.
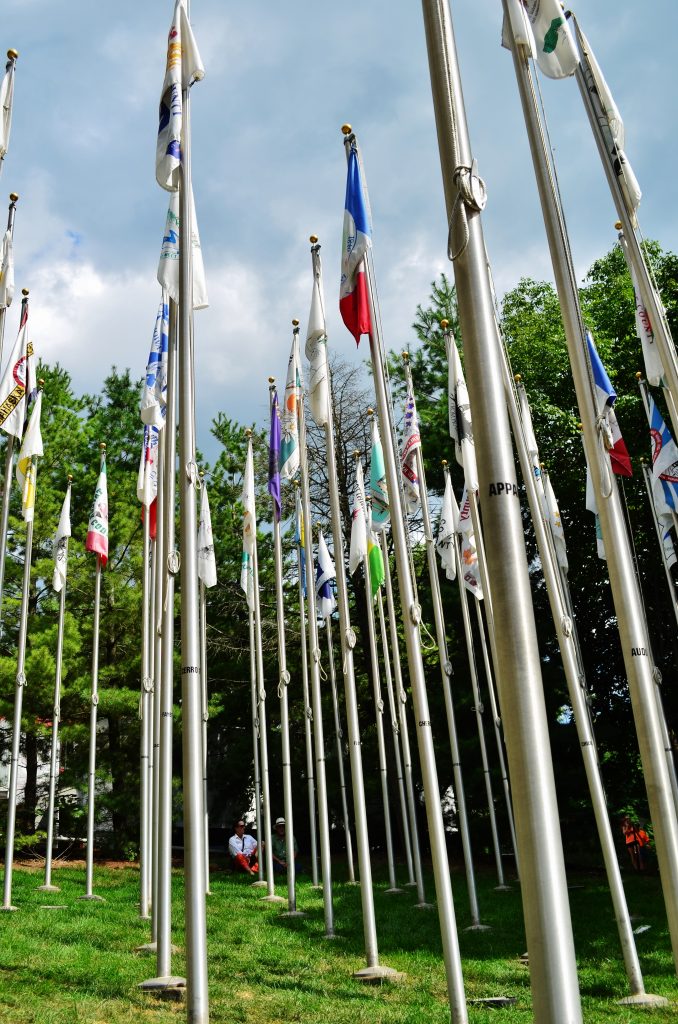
column 618, row 224
column 444, row 462
column 41, row 383
column 639, row 375
column 405, row 356
column 370, row 411
column 271, row 382
column 248, row 432
column 295, row 324
column 12, row 54
column 517, row 377
column 69, row 477
column 14, row 197
column 346, row 129
column 313, row 239
column 356, row 454
column 102, row 446
column 24, row 291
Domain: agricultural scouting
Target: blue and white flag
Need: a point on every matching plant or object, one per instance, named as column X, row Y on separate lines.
column 664, row 463
column 325, row 573
column 168, row 267
column 354, row 304
column 183, row 68
column 154, row 388
column 378, row 489
column 249, row 529
column 604, row 398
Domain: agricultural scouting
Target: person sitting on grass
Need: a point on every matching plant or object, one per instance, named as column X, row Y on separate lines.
column 279, row 847
column 243, row 849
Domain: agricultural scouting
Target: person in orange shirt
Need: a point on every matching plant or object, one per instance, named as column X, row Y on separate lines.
column 637, row 843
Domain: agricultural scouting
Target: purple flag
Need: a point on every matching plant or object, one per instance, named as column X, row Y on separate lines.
column 274, row 456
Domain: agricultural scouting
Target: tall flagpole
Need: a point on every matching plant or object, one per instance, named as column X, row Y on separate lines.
column 411, row 620
column 553, row 970
column 13, row 200
column 202, row 593
column 159, row 571
column 338, row 735
column 255, row 730
column 144, row 716
column 10, row 68
column 56, row 717
column 625, row 593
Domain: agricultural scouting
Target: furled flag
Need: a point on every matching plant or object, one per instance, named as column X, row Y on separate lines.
column 664, row 463
column 168, row 267
column 358, row 549
column 300, row 541
column 378, row 489
column 354, row 304
column 6, row 97
column 654, row 369
column 289, row 446
column 459, row 408
column 521, row 27
column 604, row 398
column 25, row 467
column 408, row 459
column 154, row 388
column 184, row 67
column 97, row 531
column 325, row 573
column 446, row 531
column 60, row 546
column 316, row 350
column 592, row 506
column 274, row 457
column 552, row 515
column 207, row 565
column 249, row 530
column 147, row 478
column 556, row 53
column 6, row 270
column 18, row 382
column 375, row 560
column 470, row 569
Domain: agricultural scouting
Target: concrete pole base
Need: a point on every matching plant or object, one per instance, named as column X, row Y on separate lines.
column 293, row 913
column 478, row 928
column 92, row 897
column 642, row 999
column 317, row 887
column 170, row 987
column 424, row 906
column 377, row 974
column 395, row 891
column 47, row 888
column 259, row 885
column 148, row 947
column 144, row 917
column 9, row 908
column 503, row 888
column 273, row 899
column 410, row 885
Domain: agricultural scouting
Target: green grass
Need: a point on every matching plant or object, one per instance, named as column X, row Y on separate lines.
column 77, row 965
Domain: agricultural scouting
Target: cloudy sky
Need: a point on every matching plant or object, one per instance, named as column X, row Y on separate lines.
column 269, row 168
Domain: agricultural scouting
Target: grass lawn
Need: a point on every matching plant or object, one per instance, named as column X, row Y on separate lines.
column 77, row 965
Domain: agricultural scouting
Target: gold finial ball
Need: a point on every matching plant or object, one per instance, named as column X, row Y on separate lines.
column 346, row 129
column 102, row 446
column 542, row 465
column 295, row 323
column 202, row 474
column 405, row 356
column 313, row 239
column 444, row 462
column 24, row 291
column 69, row 477
column 580, row 426
column 639, row 375
column 444, row 324
column 296, row 483
column 248, row 432
column 41, row 382
column 517, row 378
column 370, row 411
column 12, row 54
column 271, row 380
column 14, row 197
column 618, row 224
column 356, row 454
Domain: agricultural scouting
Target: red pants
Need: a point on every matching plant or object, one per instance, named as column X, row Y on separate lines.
column 243, row 863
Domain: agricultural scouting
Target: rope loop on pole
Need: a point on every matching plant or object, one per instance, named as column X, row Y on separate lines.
column 402, row 696
column 315, row 654
column 192, row 474
column 380, row 705
column 566, row 625
column 262, row 696
column 447, row 668
column 57, row 712
column 471, row 195
column 147, row 684
column 350, row 638
column 21, row 679
column 657, row 675
column 605, row 443
column 283, row 683
column 95, row 699
column 415, row 613
column 256, row 726
column 309, row 712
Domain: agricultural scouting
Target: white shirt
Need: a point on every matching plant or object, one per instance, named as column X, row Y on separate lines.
column 241, row 844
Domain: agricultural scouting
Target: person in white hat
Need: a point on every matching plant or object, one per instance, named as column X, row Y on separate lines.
column 243, row 849
column 279, row 846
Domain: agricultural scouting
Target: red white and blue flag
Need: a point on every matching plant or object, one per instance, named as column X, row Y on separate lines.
column 604, row 397
column 353, row 298
column 664, row 463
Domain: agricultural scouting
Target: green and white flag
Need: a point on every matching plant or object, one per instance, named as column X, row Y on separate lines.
column 555, row 50
column 316, row 351
column 375, row 560
column 60, row 547
column 249, row 530
column 378, row 489
column 289, row 418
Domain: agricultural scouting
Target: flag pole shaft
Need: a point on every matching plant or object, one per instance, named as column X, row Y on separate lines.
column 308, row 718
column 338, row 735
column 550, row 942
column 145, row 711
column 159, row 570
column 4, row 514
column 267, row 859
column 16, row 723
column 10, row 227
column 624, row 586
column 404, row 731
column 255, row 731
column 205, row 719
column 94, row 704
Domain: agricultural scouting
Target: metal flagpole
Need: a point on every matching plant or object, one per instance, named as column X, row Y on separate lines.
column 18, row 701
column 388, row 676
column 625, row 593
column 404, row 733
column 544, row 887
column 144, row 715
column 12, row 57
column 411, row 619
column 283, row 683
column 56, row 716
column 13, row 200
column 202, row 594
column 373, row 969
column 338, row 735
column 255, row 731
column 308, row 710
column 159, row 570
column 314, row 652
column 94, row 704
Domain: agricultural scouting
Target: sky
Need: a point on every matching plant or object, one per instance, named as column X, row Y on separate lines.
column 269, row 169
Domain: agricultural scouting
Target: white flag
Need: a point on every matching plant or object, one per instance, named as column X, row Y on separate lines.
column 6, row 97
column 556, row 53
column 290, row 457
column 154, row 388
column 147, row 478
column 60, row 546
column 25, row 467
column 459, row 409
column 183, row 67
column 18, row 382
column 316, row 352
column 408, row 459
column 470, row 569
column 6, row 271
column 552, row 514
column 326, row 572
column 592, row 506
column 446, row 529
column 249, row 529
column 358, row 522
column 207, row 565
column 654, row 369
column 168, row 267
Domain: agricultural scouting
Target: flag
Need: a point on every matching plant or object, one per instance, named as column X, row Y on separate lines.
column 408, row 459
column 378, row 488
column 97, row 530
column 375, row 561
column 60, row 546
column 604, row 397
column 459, row 410
column 184, row 67
column 25, row 467
column 556, row 53
column 354, row 303
column 592, row 506
column 664, row 463
column 274, row 457
column 470, row 569
column 6, row 270
column 6, row 97
column 654, row 369
column 552, row 515
column 520, row 26
column 249, row 530
column 154, row 388
column 289, row 445
column 446, row 530
column 325, row 573
column 18, row 381
column 316, row 350
column 358, row 549
column 147, row 478
column 168, row 267
column 300, row 541
column 207, row 566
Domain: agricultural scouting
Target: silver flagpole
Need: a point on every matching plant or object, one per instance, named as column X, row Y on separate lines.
column 388, row 676
column 94, row 704
column 625, row 593
column 548, row 926
column 373, row 969
column 159, row 586
column 255, row 733
column 404, row 733
column 18, row 701
column 308, row 710
column 144, row 716
column 283, row 683
column 411, row 618
column 12, row 57
column 13, row 200
column 149, row 729
column 314, row 653
column 338, row 735
column 202, row 593
column 56, row 716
